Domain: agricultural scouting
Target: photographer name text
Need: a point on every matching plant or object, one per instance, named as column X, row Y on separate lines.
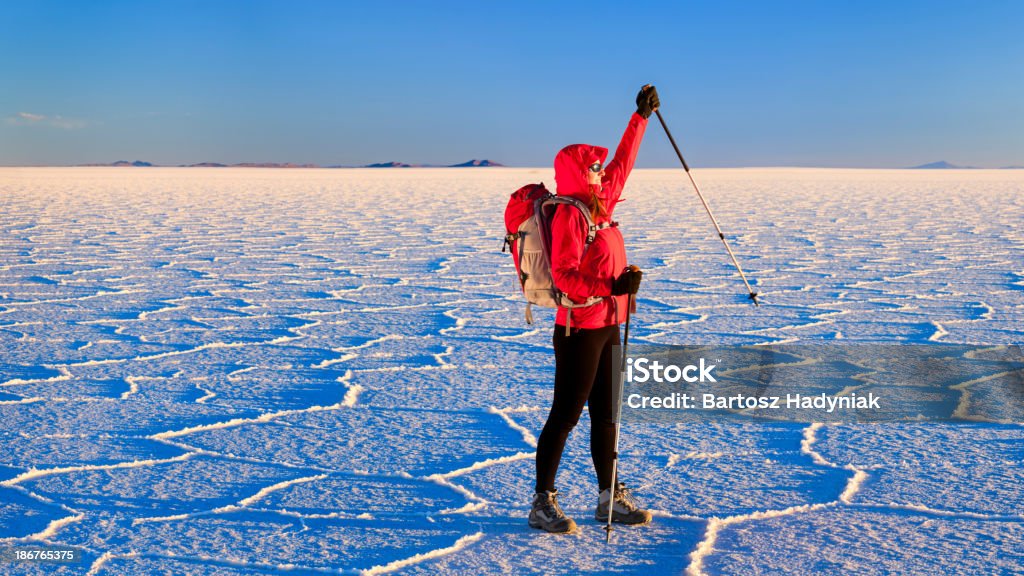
column 707, row 401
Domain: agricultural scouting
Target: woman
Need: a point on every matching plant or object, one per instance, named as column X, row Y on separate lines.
column 584, row 337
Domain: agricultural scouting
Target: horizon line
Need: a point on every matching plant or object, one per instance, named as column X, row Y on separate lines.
column 384, row 166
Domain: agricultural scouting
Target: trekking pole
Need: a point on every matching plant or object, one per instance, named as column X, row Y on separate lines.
column 617, row 402
column 753, row 295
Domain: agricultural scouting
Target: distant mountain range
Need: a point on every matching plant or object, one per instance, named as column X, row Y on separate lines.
column 469, row 164
column 140, row 163
column 943, row 165
column 475, row 164
column 137, row 163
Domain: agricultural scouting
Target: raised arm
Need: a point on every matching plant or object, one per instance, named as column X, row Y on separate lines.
column 621, row 165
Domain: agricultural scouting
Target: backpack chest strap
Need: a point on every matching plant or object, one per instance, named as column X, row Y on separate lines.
column 594, row 228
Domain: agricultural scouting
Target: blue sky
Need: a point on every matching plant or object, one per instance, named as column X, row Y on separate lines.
column 813, row 83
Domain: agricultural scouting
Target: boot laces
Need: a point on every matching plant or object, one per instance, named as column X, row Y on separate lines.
column 624, row 497
column 551, row 508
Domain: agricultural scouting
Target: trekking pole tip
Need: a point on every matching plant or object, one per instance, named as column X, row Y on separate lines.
column 608, row 534
column 753, row 296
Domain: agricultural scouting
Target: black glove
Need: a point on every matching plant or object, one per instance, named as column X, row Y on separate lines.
column 647, row 101
column 628, row 282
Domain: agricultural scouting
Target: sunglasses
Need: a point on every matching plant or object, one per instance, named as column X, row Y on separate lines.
column 595, row 167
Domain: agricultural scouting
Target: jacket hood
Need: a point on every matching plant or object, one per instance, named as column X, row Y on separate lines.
column 571, row 169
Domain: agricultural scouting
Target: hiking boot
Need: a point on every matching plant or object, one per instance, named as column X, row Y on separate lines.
column 626, row 510
column 548, row 516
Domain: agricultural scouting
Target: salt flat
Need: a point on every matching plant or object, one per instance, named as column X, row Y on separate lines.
column 247, row 370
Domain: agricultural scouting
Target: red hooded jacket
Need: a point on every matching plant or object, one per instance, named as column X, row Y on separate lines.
column 581, row 275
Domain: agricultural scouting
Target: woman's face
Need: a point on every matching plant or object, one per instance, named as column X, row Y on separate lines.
column 595, row 177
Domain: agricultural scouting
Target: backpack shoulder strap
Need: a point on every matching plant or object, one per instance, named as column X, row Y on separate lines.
column 569, row 200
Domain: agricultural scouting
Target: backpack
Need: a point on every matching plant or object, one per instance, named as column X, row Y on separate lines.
column 528, row 236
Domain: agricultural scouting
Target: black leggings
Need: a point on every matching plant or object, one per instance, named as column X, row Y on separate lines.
column 583, row 374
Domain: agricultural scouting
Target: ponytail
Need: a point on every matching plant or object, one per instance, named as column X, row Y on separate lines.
column 597, row 208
